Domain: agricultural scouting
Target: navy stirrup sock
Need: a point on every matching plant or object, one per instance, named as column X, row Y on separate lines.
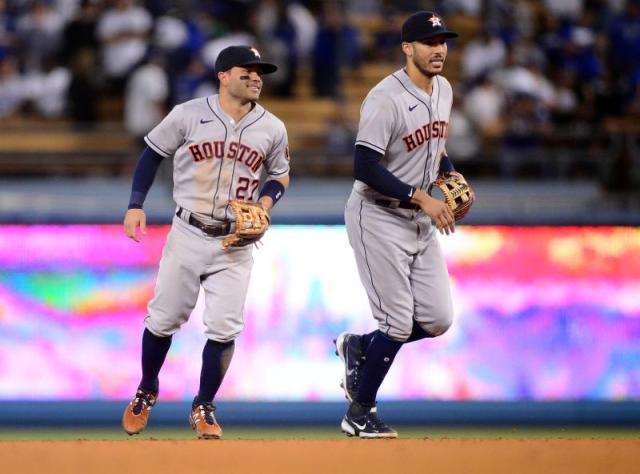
column 366, row 340
column 378, row 359
column 154, row 351
column 216, row 357
column 417, row 333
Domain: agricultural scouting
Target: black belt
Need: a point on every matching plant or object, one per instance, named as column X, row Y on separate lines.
column 214, row 230
column 397, row 204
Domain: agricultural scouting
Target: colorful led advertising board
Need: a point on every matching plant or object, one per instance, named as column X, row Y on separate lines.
column 541, row 313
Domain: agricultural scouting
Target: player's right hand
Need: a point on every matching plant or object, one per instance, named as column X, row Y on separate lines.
column 133, row 219
column 438, row 210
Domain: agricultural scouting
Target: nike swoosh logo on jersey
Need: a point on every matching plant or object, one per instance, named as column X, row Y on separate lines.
column 411, row 107
column 203, row 121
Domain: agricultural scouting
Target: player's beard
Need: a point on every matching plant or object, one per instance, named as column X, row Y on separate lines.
column 423, row 67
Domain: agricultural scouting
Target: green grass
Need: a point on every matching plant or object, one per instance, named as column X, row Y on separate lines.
column 322, row 433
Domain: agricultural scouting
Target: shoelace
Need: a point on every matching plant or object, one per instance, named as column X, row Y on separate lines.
column 207, row 410
column 375, row 422
column 141, row 400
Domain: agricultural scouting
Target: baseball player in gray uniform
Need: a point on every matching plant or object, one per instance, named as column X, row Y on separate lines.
column 220, row 144
column 400, row 150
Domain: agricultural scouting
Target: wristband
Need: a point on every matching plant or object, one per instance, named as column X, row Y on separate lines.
column 274, row 189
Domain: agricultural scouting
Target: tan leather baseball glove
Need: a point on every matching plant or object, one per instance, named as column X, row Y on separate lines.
column 457, row 193
column 252, row 221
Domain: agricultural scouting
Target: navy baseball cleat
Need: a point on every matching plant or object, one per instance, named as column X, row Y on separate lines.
column 349, row 349
column 363, row 422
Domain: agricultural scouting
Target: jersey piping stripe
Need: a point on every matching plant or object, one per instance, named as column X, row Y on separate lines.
column 426, row 162
column 156, row 147
column 366, row 260
column 370, row 145
column 215, row 194
column 233, row 170
column 437, row 158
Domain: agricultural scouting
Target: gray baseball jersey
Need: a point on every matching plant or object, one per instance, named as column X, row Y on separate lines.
column 397, row 252
column 215, row 160
column 407, row 126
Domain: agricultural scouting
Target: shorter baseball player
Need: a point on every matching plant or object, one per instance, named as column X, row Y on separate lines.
column 220, row 145
column 390, row 217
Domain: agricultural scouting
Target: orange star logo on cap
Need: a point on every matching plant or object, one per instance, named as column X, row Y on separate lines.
column 435, row 21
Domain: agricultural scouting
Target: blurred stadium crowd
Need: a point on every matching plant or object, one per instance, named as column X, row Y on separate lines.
column 543, row 88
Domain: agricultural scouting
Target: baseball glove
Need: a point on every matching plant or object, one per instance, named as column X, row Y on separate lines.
column 252, row 221
column 457, row 193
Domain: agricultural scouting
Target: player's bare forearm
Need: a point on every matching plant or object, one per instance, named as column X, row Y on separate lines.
column 134, row 219
column 437, row 210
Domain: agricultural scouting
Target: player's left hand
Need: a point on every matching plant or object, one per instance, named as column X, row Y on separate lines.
column 133, row 219
column 438, row 210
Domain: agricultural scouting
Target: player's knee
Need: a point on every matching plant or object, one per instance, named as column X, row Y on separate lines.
column 441, row 324
column 160, row 328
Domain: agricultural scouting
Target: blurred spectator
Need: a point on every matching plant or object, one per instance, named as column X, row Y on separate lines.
column 7, row 30
column 171, row 34
column 524, row 74
column 566, row 100
column 336, row 46
column 564, row 8
column 298, row 15
column 83, row 89
column 195, row 81
column 526, row 126
column 39, row 33
column 463, row 143
column 288, row 30
column 12, row 88
column 146, row 97
column 238, row 32
column 47, row 88
column 484, row 104
column 624, row 39
column 341, row 133
column 124, row 33
column 80, row 32
column 483, row 53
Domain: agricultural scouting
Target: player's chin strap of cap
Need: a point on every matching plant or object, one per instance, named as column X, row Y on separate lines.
column 214, row 230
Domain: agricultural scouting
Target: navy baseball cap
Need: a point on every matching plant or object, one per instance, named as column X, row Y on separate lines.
column 423, row 25
column 241, row 56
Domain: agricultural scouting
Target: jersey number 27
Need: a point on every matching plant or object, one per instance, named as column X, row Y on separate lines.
column 246, row 188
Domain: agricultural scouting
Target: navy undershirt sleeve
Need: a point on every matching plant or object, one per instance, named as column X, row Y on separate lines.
column 445, row 165
column 143, row 177
column 367, row 168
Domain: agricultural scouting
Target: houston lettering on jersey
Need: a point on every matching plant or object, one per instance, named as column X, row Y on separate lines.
column 437, row 129
column 238, row 151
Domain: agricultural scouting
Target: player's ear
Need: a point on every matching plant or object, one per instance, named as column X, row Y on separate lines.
column 222, row 76
column 407, row 49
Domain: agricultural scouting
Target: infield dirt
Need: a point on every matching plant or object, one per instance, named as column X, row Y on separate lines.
column 323, row 456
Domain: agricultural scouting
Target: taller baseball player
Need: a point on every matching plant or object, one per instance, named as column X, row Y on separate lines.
column 400, row 150
column 219, row 144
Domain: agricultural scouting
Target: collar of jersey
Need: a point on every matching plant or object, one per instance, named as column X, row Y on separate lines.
column 223, row 114
column 409, row 84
